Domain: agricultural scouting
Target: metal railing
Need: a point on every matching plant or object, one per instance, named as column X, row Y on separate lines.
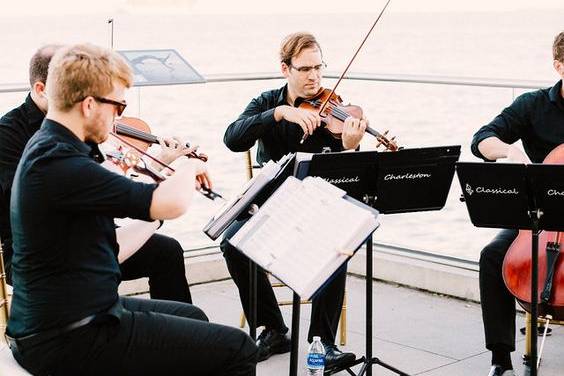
column 399, row 78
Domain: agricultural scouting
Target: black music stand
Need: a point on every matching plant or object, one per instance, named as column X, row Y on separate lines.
column 516, row 196
column 405, row 181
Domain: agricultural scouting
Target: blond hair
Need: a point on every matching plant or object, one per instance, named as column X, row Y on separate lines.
column 294, row 44
column 83, row 70
column 558, row 47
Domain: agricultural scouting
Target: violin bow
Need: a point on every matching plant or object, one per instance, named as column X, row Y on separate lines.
column 212, row 195
column 348, row 65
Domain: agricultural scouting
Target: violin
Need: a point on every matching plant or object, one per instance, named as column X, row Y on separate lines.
column 132, row 146
column 334, row 114
column 517, row 264
column 138, row 133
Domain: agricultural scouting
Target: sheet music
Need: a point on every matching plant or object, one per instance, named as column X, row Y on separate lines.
column 232, row 208
column 304, row 232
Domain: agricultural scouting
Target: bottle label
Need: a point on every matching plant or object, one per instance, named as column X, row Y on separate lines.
column 315, row 361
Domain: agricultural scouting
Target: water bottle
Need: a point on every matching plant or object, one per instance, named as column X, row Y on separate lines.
column 315, row 363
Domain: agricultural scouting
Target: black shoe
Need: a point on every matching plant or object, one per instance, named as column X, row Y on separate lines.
column 271, row 342
column 498, row 371
column 336, row 359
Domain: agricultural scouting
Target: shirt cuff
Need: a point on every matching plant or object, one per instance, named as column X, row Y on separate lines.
column 477, row 139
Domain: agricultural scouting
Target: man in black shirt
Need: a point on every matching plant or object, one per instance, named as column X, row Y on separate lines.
column 537, row 119
column 160, row 257
column 66, row 315
column 278, row 126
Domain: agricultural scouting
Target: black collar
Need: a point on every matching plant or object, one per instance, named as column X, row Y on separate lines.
column 35, row 115
column 65, row 134
column 555, row 94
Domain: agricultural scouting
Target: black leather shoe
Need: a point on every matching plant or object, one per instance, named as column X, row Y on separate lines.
column 335, row 358
column 498, row 371
column 271, row 342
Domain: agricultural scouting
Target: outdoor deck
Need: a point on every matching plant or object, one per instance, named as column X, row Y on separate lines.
column 417, row 332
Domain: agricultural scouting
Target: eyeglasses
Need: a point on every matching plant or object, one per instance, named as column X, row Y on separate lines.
column 307, row 69
column 120, row 106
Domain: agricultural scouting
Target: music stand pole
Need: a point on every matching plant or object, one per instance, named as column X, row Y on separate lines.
column 367, row 367
column 295, row 338
column 535, row 216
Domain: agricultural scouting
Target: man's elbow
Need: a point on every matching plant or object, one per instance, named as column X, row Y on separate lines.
column 233, row 144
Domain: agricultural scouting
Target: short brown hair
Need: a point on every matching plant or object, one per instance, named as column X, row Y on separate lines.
column 294, row 44
column 558, row 47
column 39, row 63
column 83, row 70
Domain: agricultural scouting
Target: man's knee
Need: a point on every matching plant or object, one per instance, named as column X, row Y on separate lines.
column 198, row 314
column 248, row 351
column 490, row 257
column 172, row 250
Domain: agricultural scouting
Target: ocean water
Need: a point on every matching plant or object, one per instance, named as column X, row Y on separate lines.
column 511, row 45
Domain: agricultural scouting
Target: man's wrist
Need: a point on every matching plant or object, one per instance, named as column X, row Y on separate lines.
column 279, row 113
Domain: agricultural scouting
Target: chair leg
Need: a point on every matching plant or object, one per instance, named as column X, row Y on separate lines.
column 242, row 320
column 527, row 352
column 343, row 322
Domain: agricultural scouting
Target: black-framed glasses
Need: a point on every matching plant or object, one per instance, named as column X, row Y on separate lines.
column 309, row 68
column 120, row 106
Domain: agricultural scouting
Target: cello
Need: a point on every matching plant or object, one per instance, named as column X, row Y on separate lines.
column 517, row 264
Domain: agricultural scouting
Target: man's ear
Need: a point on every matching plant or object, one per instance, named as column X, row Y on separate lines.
column 285, row 69
column 87, row 107
column 559, row 67
column 39, row 88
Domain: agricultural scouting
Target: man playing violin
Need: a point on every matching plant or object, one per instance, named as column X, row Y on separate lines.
column 278, row 126
column 537, row 119
column 66, row 315
column 159, row 257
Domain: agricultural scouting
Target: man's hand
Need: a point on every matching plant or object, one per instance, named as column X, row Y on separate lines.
column 353, row 131
column 514, row 154
column 202, row 177
column 307, row 120
column 492, row 148
column 171, row 149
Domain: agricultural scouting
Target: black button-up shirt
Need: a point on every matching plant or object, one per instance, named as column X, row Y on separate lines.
column 63, row 204
column 16, row 128
column 275, row 139
column 535, row 118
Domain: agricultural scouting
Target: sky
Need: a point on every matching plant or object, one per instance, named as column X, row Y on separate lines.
column 12, row 8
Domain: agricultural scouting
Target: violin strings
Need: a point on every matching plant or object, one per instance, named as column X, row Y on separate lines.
column 141, row 151
column 342, row 115
column 135, row 132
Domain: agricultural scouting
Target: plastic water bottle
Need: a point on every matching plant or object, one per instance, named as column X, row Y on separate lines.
column 315, row 363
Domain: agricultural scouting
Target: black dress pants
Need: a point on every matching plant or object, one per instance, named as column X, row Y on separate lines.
column 498, row 305
column 325, row 308
column 161, row 259
column 152, row 337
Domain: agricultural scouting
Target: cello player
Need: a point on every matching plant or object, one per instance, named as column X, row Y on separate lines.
column 537, row 119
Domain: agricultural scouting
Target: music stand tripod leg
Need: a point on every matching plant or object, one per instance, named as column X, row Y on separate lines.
column 369, row 361
column 252, row 319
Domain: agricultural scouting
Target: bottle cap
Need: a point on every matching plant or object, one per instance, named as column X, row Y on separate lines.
column 317, row 338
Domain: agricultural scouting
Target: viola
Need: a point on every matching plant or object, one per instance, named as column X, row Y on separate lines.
column 334, row 113
column 130, row 154
column 517, row 264
column 138, row 133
